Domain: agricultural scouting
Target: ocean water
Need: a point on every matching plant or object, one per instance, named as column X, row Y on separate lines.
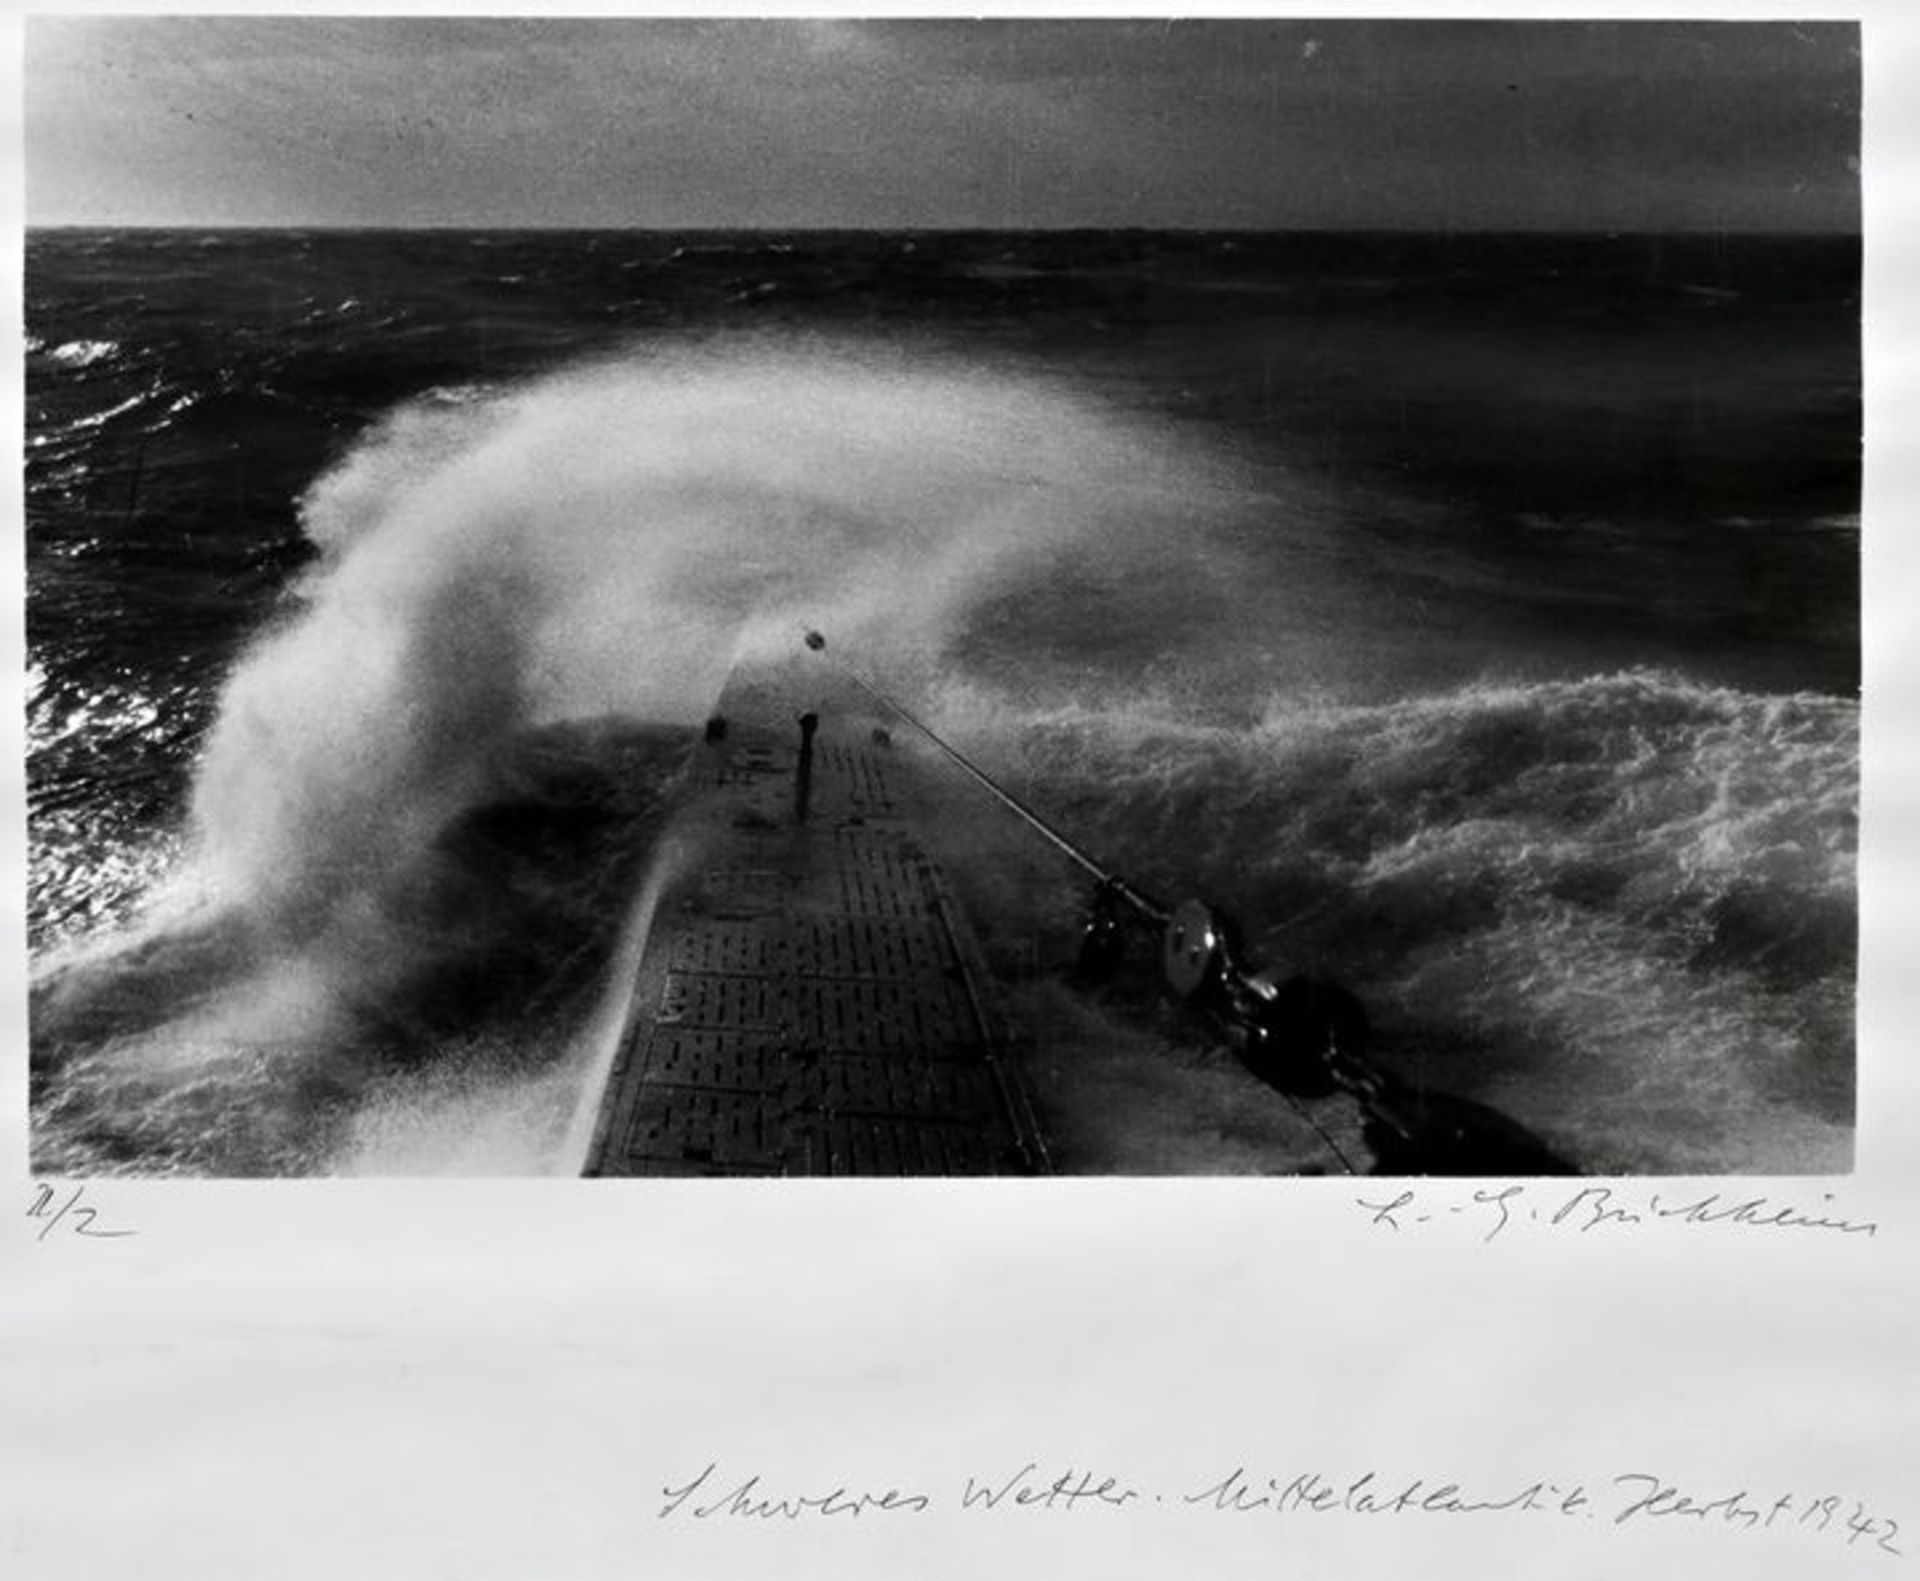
column 1476, row 618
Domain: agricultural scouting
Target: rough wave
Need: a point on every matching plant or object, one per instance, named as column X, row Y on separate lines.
column 606, row 542
column 1621, row 906
column 374, row 847
column 1616, row 905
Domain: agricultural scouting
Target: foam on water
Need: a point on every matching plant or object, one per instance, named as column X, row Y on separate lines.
column 1619, row 906
column 604, row 542
column 79, row 353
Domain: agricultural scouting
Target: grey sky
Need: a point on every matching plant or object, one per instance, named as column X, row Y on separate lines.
column 390, row 121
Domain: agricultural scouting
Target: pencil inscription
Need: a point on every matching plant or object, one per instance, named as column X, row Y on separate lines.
column 52, row 1210
column 1035, row 1490
column 1492, row 1210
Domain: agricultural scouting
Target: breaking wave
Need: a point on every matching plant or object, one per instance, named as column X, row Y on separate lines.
column 1621, row 905
column 1618, row 905
column 431, row 786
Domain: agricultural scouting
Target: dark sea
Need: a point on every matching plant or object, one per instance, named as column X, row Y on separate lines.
column 1475, row 617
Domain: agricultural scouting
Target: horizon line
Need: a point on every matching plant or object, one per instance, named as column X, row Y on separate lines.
column 1855, row 232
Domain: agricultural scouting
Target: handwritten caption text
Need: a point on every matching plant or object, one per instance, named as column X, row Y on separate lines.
column 1630, row 1498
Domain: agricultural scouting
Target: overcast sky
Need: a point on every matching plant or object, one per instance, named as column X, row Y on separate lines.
column 390, row 121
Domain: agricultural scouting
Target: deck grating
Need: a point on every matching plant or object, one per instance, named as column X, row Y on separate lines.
column 809, row 1003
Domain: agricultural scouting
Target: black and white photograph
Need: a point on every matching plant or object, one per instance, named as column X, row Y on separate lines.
column 764, row 597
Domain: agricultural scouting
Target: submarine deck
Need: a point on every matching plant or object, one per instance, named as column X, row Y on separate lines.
column 810, row 999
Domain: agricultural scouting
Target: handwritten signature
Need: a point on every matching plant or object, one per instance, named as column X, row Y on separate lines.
column 1496, row 1208
column 73, row 1212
